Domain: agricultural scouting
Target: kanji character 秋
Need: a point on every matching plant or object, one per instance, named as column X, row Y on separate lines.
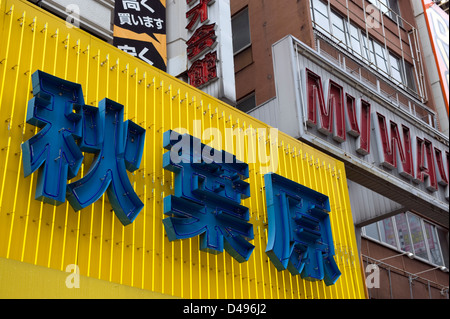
column 118, row 146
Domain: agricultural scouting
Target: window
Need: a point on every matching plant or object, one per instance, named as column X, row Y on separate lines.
column 241, row 31
column 443, row 243
column 409, row 72
column 320, row 15
column 376, row 54
column 355, row 40
column 381, row 4
column 396, row 69
column 338, row 28
column 433, row 244
column 393, row 5
column 365, row 49
column 410, row 233
column 387, row 232
column 388, row 7
column 322, row 21
column 417, row 236
column 247, row 103
column 403, row 233
column 380, row 56
column 372, row 231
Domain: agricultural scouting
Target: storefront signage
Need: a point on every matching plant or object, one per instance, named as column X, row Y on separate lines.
column 140, row 30
column 209, row 185
column 200, row 46
column 300, row 237
column 68, row 128
column 207, row 199
column 345, row 119
column 438, row 29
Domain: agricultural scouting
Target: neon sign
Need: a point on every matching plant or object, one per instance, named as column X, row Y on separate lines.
column 58, row 109
column 207, row 199
column 335, row 113
column 438, row 29
column 300, row 237
column 209, row 185
column 203, row 40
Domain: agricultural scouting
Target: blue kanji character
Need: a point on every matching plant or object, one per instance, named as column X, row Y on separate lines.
column 207, row 197
column 118, row 146
column 300, row 237
column 53, row 149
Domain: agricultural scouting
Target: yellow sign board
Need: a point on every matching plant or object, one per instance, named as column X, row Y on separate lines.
column 140, row 254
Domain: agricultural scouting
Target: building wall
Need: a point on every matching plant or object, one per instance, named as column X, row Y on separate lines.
column 94, row 16
column 140, row 255
column 270, row 22
column 291, row 59
column 395, row 274
column 257, row 60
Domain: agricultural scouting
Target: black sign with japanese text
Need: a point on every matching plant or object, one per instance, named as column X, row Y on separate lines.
column 145, row 51
column 140, row 30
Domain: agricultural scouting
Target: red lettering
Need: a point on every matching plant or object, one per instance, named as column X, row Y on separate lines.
column 315, row 97
column 442, row 177
column 363, row 143
column 334, row 112
column 351, row 121
column 203, row 71
column 331, row 118
column 448, row 171
column 396, row 154
column 203, row 39
column 199, row 12
column 336, row 105
column 362, row 134
column 425, row 165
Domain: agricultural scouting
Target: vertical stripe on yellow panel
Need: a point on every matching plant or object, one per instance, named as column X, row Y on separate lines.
column 140, row 255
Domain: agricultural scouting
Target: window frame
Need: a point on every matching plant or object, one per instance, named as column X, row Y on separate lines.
column 422, row 222
column 249, row 44
column 394, row 229
column 410, row 77
column 332, row 19
column 388, row 9
column 401, row 71
column 438, row 242
column 369, row 48
column 377, row 47
column 421, row 229
column 358, row 34
column 327, row 15
column 251, row 95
